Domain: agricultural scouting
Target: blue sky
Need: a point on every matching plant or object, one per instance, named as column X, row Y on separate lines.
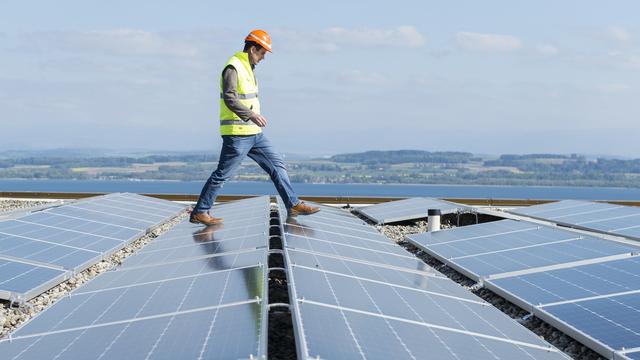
column 487, row 77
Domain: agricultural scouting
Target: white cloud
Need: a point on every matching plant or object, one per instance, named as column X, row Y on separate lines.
column 114, row 42
column 623, row 59
column 613, row 88
column 547, row 49
column 337, row 38
column 618, row 34
column 357, row 77
column 487, row 42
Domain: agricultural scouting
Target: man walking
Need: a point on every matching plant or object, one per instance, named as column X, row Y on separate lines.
column 241, row 130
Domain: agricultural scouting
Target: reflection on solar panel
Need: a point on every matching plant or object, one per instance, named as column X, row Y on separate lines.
column 497, row 249
column 204, row 303
column 356, row 295
column 599, row 304
column 70, row 238
column 608, row 218
column 407, row 209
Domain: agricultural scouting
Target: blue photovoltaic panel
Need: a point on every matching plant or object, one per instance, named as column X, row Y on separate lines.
column 598, row 304
column 51, row 253
column 209, row 306
column 633, row 355
column 574, row 283
column 87, row 226
column 407, row 209
column 188, row 240
column 348, row 304
column 316, row 233
column 547, row 255
column 335, row 334
column 508, row 245
column 186, row 335
column 479, row 231
column 423, row 279
column 24, row 278
column 614, row 321
column 560, row 208
column 58, row 236
column 609, row 218
column 74, row 236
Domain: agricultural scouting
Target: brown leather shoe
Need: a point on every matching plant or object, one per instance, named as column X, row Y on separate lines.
column 303, row 209
column 204, row 218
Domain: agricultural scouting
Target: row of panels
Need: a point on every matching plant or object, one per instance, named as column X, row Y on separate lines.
column 587, row 286
column 183, row 303
column 356, row 294
column 603, row 217
column 42, row 249
column 408, row 209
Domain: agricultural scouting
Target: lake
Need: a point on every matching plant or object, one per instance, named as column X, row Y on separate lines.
column 392, row 190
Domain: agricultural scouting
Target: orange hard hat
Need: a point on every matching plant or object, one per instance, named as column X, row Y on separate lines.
column 260, row 37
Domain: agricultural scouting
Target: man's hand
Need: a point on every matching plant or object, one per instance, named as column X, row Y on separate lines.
column 259, row 120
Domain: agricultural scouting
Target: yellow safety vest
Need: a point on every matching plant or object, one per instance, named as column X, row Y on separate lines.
column 230, row 123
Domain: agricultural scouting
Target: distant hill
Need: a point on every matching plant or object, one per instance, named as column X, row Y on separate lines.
column 404, row 156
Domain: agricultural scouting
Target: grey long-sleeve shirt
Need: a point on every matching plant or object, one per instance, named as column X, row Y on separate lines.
column 230, row 93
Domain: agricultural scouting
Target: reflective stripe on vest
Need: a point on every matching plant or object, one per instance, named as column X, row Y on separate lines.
column 247, row 86
column 243, row 96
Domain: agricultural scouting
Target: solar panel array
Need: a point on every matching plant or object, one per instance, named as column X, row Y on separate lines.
column 584, row 285
column 356, row 294
column 41, row 249
column 407, row 209
column 598, row 303
column 503, row 247
column 194, row 292
column 603, row 217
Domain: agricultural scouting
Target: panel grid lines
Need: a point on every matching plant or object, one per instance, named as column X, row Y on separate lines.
column 434, row 326
column 348, row 304
column 479, row 302
column 600, row 217
column 93, row 326
column 217, row 299
column 106, row 213
column 69, row 237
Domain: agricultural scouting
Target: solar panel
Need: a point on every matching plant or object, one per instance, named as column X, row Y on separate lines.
column 606, row 278
column 348, row 304
column 607, row 218
column 371, row 249
column 67, row 257
column 634, row 355
column 193, row 240
column 612, row 321
column 188, row 306
column 597, row 304
column 501, row 247
column 72, row 237
column 407, row 209
column 27, row 279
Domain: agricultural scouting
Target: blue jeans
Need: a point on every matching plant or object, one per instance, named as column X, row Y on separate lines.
column 234, row 150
